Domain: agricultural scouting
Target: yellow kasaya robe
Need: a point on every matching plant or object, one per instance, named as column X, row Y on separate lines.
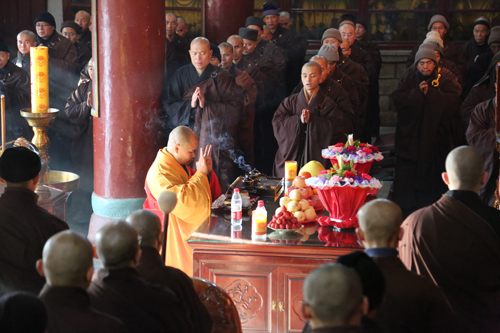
column 194, row 199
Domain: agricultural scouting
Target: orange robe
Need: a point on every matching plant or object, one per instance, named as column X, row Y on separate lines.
column 194, row 198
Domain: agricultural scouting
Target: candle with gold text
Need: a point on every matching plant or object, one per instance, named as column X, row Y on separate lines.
column 39, row 57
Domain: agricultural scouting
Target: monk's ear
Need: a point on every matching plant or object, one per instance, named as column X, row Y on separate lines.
column 401, row 233
column 90, row 273
column 445, row 178
column 39, row 267
column 138, row 256
column 36, row 180
column 361, row 235
column 306, row 311
column 484, row 178
column 365, row 306
column 176, row 148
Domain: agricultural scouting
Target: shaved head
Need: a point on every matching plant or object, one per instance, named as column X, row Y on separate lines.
column 201, row 41
column 83, row 19
column 117, row 245
column 380, row 221
column 148, row 226
column 333, row 293
column 465, row 169
column 67, row 258
column 235, row 39
column 312, row 64
column 182, row 143
column 171, row 15
column 180, row 135
column 321, row 61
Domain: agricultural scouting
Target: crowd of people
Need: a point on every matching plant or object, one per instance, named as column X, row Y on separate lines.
column 253, row 101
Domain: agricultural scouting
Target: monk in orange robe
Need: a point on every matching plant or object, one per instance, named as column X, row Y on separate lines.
column 195, row 192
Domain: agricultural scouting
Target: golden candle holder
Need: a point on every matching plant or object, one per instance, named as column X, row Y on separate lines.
column 40, row 123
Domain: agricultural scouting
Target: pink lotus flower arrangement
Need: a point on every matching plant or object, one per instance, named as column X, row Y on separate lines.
column 362, row 154
column 343, row 191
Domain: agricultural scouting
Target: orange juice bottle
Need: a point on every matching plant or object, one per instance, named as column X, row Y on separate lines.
column 259, row 222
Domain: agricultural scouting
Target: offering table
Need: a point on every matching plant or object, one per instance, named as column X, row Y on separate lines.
column 264, row 278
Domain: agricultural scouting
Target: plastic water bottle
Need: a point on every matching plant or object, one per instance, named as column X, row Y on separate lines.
column 259, row 222
column 236, row 213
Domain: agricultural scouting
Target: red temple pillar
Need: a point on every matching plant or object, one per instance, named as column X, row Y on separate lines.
column 224, row 18
column 131, row 48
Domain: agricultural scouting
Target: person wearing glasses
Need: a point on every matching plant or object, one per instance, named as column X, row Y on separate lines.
column 73, row 31
column 63, row 79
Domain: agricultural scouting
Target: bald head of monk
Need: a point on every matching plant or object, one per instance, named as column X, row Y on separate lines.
column 182, row 143
column 380, row 224
column 237, row 42
column 311, row 76
column 321, row 61
column 333, row 296
column 67, row 260
column 118, row 245
column 83, row 19
column 148, row 226
column 200, row 53
column 465, row 169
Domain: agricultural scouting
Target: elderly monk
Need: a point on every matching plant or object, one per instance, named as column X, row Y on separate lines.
column 72, row 31
column 119, row 290
column 427, row 107
column 15, row 85
column 455, row 242
column 412, row 303
column 206, row 99
column 249, row 92
column 25, row 40
column 152, row 269
column 333, row 299
column 307, row 122
column 67, row 265
column 195, row 189
column 84, row 20
column 481, row 135
column 24, row 226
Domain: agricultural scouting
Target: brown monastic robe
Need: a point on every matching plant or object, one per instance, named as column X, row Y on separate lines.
column 153, row 269
column 141, row 306
column 24, row 229
column 481, row 136
column 303, row 142
column 249, row 94
column 411, row 303
column 215, row 124
column 69, row 311
column 460, row 252
column 428, row 128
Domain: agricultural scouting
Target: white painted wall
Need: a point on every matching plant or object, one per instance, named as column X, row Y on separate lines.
column 55, row 7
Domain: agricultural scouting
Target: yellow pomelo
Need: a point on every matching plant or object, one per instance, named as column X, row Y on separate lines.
column 313, row 167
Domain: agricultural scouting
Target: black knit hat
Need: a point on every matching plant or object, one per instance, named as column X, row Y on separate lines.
column 347, row 17
column 3, row 47
column 215, row 51
column 371, row 276
column 483, row 22
column 363, row 23
column 19, row 164
column 45, row 17
column 250, row 34
column 13, row 309
column 254, row 20
column 270, row 9
column 72, row 25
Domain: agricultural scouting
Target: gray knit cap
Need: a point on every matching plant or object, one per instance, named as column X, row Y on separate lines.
column 330, row 52
column 331, row 33
column 440, row 19
column 494, row 35
column 425, row 51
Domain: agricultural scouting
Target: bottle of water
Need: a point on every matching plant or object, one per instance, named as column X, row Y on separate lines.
column 236, row 213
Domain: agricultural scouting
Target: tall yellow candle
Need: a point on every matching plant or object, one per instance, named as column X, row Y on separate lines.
column 39, row 57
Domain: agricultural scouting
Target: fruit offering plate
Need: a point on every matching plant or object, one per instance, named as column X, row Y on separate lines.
column 286, row 230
